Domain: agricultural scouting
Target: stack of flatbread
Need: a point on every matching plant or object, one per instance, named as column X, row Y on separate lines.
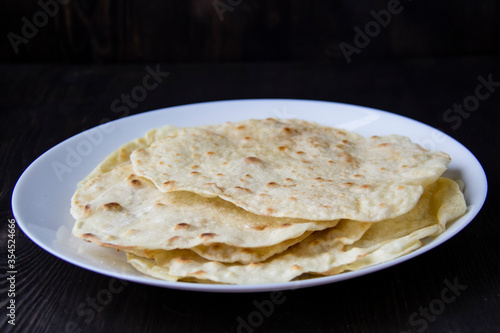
column 264, row 201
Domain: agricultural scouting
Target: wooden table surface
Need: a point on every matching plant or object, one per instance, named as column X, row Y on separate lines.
column 44, row 104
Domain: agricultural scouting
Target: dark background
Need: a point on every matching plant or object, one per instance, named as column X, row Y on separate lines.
column 64, row 77
column 112, row 31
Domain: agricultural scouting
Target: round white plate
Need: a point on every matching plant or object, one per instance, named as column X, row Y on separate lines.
column 42, row 196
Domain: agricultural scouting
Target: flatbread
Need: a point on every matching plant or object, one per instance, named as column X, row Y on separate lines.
column 264, row 201
column 293, row 168
column 320, row 251
column 351, row 245
column 441, row 203
column 231, row 254
column 122, row 210
column 122, row 154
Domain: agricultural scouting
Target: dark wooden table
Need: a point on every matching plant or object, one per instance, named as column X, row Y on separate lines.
column 44, row 104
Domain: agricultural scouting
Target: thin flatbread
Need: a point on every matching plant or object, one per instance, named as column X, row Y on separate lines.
column 348, row 246
column 293, row 168
column 122, row 210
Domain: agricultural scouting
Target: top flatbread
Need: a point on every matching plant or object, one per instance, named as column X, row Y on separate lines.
column 115, row 208
column 293, row 168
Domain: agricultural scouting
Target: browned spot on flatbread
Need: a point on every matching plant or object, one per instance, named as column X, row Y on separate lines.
column 181, row 226
column 207, row 235
column 259, row 227
column 182, row 260
column 173, row 239
column 252, row 160
column 169, row 184
column 242, row 189
column 112, row 206
column 131, row 232
column 135, row 182
column 89, row 237
column 348, row 158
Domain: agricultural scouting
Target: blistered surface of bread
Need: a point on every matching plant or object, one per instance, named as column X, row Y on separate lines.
column 293, row 168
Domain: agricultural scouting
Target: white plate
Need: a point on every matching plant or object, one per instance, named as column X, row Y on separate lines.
column 41, row 198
